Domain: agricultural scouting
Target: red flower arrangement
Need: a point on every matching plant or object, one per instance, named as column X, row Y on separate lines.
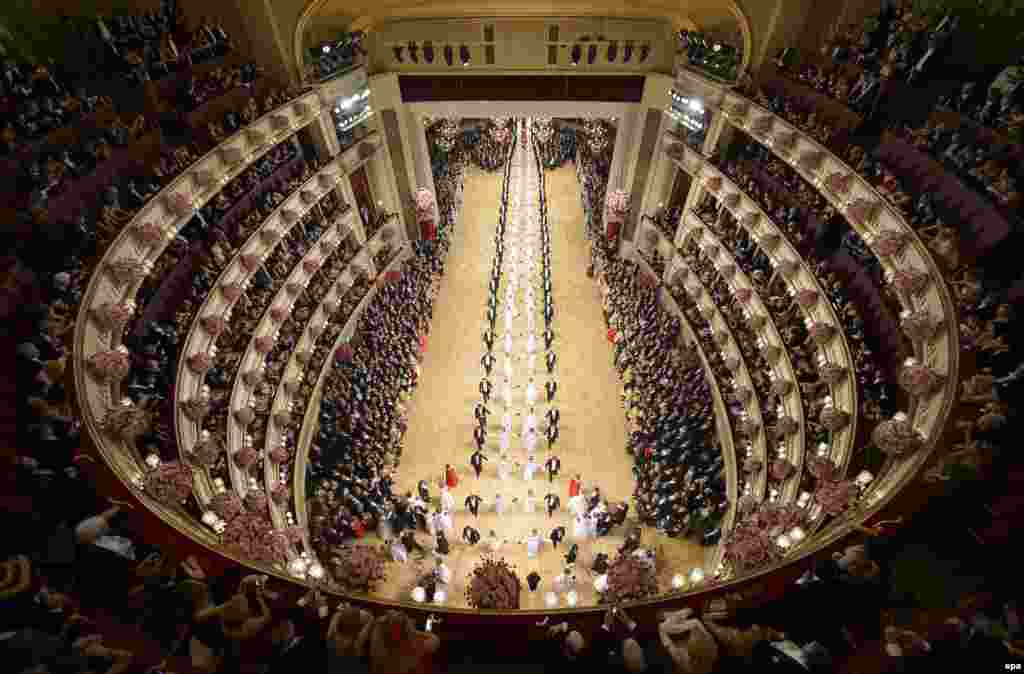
column 278, row 314
column 256, row 501
column 170, row 483
column 179, row 204
column 126, row 423
column 807, row 297
column 231, row 291
column 919, row 380
column 835, row 497
column 280, row 454
column 890, row 243
column 213, row 325
column 200, row 363
column 113, row 315
column 263, row 344
column 861, row 211
column 361, row 568
column 149, row 233
column 246, row 457
column 249, row 262
column 207, row 452
column 630, row 579
column 839, row 183
column 822, row 468
column 110, row 366
column 494, row 585
column 252, row 536
column 744, row 295
column 782, row 469
column 311, row 264
column 226, row 506
column 281, row 494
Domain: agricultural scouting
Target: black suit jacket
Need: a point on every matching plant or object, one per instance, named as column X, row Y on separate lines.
column 306, row 654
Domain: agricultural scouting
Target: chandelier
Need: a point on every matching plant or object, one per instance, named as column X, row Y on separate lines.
column 597, row 135
column 543, row 129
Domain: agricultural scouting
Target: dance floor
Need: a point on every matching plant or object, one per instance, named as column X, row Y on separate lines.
column 593, row 425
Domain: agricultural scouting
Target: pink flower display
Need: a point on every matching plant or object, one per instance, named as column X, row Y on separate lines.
column 293, row 535
column 629, row 579
column 281, row 494
column 744, row 295
column 890, row 243
column 424, row 200
column 494, row 585
column 861, row 211
column 231, row 291
column 249, row 262
column 835, row 497
column 246, row 457
column 252, row 536
column 200, row 363
column 782, row 469
column 822, row 468
column 919, row 380
column 361, row 568
column 179, row 204
column 278, row 314
column 226, row 506
column 263, row 344
column 148, row 233
column 170, row 483
column 749, row 547
column 280, row 454
column 776, row 518
column 207, row 452
column 311, row 264
column 910, row 281
column 113, row 315
column 839, row 183
column 110, row 366
column 255, row 501
column 126, row 423
column 618, row 202
column 214, row 326
column 807, row 297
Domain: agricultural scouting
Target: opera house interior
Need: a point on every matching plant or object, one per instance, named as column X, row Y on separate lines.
column 291, row 286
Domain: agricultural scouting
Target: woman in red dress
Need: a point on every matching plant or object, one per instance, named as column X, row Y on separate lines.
column 574, row 486
column 451, row 478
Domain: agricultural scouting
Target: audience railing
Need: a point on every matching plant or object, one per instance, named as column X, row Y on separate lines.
column 311, row 418
column 168, row 211
column 901, row 253
column 792, row 445
column 798, row 275
column 189, row 384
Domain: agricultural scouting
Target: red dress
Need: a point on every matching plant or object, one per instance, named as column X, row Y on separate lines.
column 612, row 335
column 574, row 487
column 451, row 478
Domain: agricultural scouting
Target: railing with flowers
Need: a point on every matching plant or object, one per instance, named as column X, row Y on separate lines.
column 929, row 316
column 835, row 363
column 310, row 419
column 214, row 315
column 723, row 426
column 789, row 428
column 743, row 390
column 294, row 374
column 130, row 258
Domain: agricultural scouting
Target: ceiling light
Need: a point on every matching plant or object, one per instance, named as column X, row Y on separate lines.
column 464, row 55
column 627, row 53
column 613, row 51
column 696, row 106
column 449, row 54
column 577, row 52
column 591, row 54
column 398, row 55
column 327, row 49
column 645, row 51
column 428, row 52
column 717, row 47
column 414, row 52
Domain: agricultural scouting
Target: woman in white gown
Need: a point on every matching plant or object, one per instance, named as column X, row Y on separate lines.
column 447, row 500
column 508, row 343
column 580, row 528
column 530, row 502
column 499, row 504
column 504, row 468
column 531, row 343
column 493, row 542
column 533, row 544
column 531, row 393
column 575, row 505
column 447, row 524
column 531, row 467
column 505, row 442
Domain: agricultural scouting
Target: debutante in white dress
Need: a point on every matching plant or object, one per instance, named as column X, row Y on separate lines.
column 447, row 500
column 508, row 392
column 506, row 421
column 530, row 504
column 580, row 527
column 508, row 343
column 499, row 504
column 530, row 442
column 533, row 544
column 530, row 469
column 575, row 505
column 447, row 523
column 398, row 552
column 505, row 442
column 508, row 367
column 531, row 393
column 504, row 469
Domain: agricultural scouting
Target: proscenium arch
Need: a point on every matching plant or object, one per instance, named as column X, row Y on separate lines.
column 681, row 20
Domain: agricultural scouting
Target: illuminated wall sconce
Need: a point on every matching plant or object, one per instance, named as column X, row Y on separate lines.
column 678, row 581
column 551, row 600
column 419, row 595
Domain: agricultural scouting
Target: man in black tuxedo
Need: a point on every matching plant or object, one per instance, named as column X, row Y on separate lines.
column 470, row 536
column 487, row 362
column 533, row 580
column 552, row 503
column 292, row 652
column 424, row 489
column 479, row 437
column 473, row 504
column 485, row 390
column 557, row 534
column 489, row 339
column 550, row 359
column 477, row 460
column 552, row 465
column 552, row 433
column 549, row 338
column 551, row 387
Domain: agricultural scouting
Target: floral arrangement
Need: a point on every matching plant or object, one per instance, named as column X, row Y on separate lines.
column 231, row 291
column 629, row 579
column 244, row 416
column 280, row 494
column 293, row 288
column 781, row 387
column 179, row 204
column 293, row 535
column 502, row 135
column 919, row 380
column 890, row 243
column 149, row 233
column 200, row 362
column 424, row 201
column 822, row 333
column 835, row 497
column 263, row 344
column 807, row 297
column 249, row 262
column 246, row 456
column 753, row 541
column 897, row 436
column 833, row 418
column 785, row 425
column 255, row 500
column 919, row 326
column 617, row 202
column 113, row 315
column 361, row 568
column 728, row 271
column 226, row 506
column 311, row 264
column 195, row 409
column 127, row 271
column 207, row 452
column 126, row 422
column 170, row 483
column 278, row 314
column 112, row 365
column 271, row 236
column 822, row 468
column 910, row 281
column 213, row 325
column 494, row 585
column 252, row 536
column 831, row 373
column 861, row 210
column 839, row 183
column 781, row 469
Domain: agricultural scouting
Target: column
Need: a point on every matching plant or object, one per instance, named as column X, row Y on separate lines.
column 349, row 197
column 384, row 191
column 624, row 145
column 424, row 172
column 324, row 133
column 716, row 131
